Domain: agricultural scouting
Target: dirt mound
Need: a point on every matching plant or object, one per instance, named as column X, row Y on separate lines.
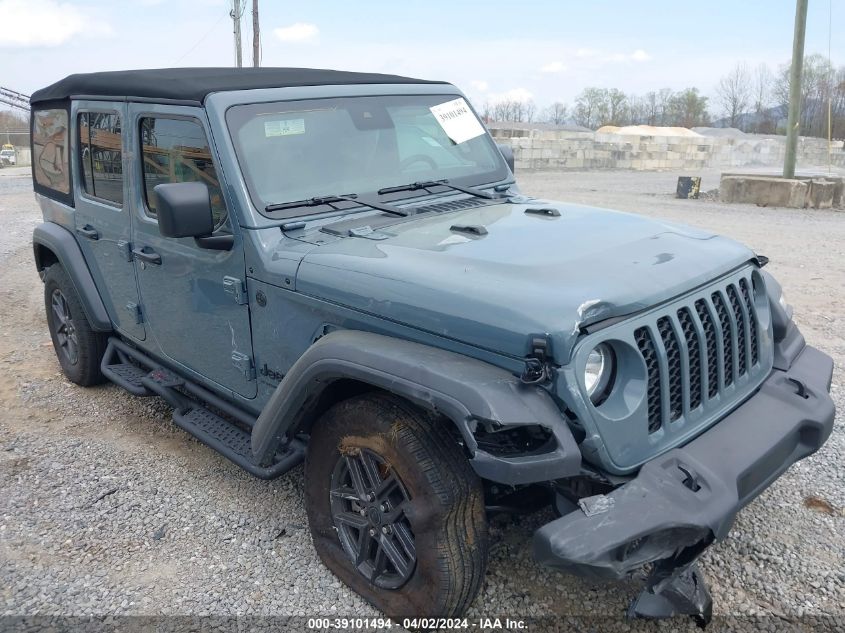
column 646, row 130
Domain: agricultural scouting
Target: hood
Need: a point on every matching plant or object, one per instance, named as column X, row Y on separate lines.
column 530, row 274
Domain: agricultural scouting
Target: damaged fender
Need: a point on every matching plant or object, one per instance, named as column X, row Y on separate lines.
column 463, row 389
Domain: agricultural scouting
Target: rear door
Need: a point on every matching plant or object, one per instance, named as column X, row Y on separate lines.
column 102, row 211
column 194, row 298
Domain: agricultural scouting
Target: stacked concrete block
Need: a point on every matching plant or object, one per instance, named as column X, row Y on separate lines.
column 542, row 149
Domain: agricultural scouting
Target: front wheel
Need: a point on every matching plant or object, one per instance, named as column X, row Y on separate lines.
column 395, row 509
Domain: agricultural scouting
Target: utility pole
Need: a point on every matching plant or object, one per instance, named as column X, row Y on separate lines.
column 794, row 120
column 256, row 36
column 236, row 17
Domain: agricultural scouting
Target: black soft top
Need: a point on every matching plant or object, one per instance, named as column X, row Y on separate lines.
column 193, row 85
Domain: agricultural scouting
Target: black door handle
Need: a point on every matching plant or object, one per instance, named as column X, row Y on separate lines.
column 89, row 231
column 147, row 255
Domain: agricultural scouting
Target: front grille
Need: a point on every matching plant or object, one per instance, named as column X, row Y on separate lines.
column 673, row 367
column 749, row 307
column 725, row 326
column 685, row 318
column 646, row 345
column 696, row 352
column 711, row 345
column 680, row 368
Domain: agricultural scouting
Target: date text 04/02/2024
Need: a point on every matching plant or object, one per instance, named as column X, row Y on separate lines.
column 377, row 624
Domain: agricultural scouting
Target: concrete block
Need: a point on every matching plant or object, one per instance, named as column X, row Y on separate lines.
column 821, row 194
column 764, row 191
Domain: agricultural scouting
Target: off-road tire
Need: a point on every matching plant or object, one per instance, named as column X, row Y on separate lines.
column 84, row 368
column 446, row 507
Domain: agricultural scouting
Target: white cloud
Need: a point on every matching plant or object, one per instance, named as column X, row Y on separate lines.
column 299, row 32
column 584, row 53
column 638, row 55
column 45, row 23
column 480, row 85
column 553, row 67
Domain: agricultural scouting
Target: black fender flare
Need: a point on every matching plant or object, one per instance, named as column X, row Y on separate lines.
column 464, row 389
column 62, row 243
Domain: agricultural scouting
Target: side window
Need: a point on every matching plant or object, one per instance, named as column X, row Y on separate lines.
column 176, row 150
column 50, row 150
column 100, row 154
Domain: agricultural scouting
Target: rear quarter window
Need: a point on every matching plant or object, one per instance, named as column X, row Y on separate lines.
column 51, row 152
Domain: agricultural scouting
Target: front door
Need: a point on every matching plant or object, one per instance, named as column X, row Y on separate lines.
column 193, row 299
column 102, row 210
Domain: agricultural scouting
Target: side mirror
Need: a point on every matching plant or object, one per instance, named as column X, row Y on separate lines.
column 507, row 154
column 184, row 209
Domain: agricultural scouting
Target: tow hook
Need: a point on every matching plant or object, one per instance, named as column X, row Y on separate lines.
column 671, row 591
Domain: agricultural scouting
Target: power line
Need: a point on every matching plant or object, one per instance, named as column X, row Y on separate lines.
column 256, row 36
column 202, row 39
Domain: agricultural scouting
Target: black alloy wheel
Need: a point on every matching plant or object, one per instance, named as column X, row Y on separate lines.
column 368, row 503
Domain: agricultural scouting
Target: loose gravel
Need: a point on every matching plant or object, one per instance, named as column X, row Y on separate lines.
column 106, row 508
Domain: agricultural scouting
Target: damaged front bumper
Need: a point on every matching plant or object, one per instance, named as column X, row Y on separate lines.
column 688, row 497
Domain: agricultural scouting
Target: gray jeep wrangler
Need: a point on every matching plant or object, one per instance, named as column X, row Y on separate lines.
column 338, row 269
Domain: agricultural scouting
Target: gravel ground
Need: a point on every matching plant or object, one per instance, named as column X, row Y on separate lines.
column 106, row 508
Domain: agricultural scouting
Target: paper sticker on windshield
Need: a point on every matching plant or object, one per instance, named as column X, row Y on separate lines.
column 457, row 120
column 285, row 127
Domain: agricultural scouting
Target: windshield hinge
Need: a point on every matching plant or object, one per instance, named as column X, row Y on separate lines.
column 236, row 289
column 244, row 364
column 125, row 250
column 137, row 313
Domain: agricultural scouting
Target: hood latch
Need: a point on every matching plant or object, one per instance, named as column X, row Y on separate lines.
column 538, row 364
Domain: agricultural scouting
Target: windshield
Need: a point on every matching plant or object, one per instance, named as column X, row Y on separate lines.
column 296, row 150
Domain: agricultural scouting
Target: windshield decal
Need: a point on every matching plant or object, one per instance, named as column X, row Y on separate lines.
column 457, row 120
column 284, row 127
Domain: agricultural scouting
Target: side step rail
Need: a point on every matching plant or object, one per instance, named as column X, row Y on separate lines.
column 195, row 409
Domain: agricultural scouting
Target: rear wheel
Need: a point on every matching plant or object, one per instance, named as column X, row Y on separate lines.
column 78, row 347
column 395, row 509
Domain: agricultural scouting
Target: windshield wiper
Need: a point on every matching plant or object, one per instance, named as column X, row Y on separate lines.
column 331, row 201
column 427, row 184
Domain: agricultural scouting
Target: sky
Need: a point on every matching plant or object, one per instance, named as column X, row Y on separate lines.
column 541, row 50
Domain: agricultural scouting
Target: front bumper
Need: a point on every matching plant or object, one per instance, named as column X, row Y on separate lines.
column 689, row 496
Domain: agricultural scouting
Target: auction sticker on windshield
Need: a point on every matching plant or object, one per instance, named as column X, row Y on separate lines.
column 457, row 120
column 285, row 127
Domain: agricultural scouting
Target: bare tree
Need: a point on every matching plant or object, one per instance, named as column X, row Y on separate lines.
column 530, row 110
column 638, row 110
column 652, row 108
column 617, row 107
column 838, row 104
column 664, row 104
column 556, row 113
column 734, row 93
column 591, row 107
column 688, row 108
column 505, row 110
column 762, row 95
column 818, row 85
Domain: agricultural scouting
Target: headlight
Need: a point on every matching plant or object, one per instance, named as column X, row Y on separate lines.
column 598, row 371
